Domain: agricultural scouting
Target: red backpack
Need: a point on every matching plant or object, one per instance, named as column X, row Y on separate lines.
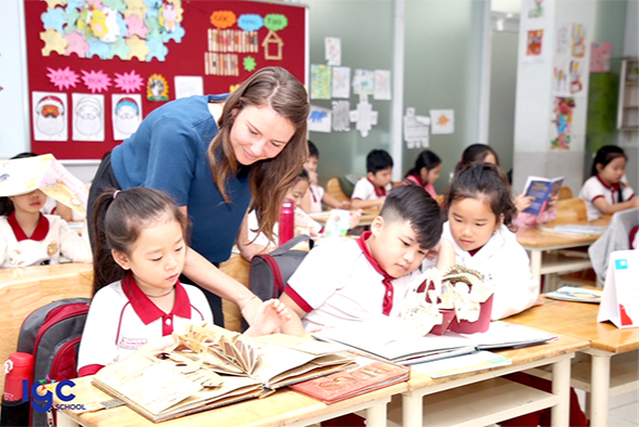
column 52, row 334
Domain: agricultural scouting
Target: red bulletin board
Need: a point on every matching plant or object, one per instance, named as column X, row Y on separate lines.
column 186, row 58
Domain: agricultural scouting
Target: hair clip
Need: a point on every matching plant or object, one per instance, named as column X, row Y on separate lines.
column 115, row 194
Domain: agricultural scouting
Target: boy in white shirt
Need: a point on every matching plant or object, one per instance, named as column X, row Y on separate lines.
column 371, row 190
column 356, row 281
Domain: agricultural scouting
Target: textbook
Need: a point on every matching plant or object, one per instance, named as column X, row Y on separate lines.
column 576, row 229
column 571, row 293
column 542, row 189
column 476, row 361
column 211, row 367
column 413, row 349
column 366, row 375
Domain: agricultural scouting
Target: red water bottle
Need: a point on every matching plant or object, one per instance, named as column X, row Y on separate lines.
column 286, row 223
column 15, row 405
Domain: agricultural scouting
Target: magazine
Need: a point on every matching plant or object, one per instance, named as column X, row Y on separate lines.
column 571, row 293
column 212, row 367
column 542, row 189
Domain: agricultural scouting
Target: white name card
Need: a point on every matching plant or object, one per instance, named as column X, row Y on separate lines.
column 621, row 299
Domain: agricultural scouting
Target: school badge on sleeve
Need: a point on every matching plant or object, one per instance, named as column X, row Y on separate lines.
column 52, row 248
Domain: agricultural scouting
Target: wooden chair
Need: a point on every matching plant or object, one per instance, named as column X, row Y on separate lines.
column 440, row 199
column 334, row 189
column 238, row 268
column 565, row 193
column 570, row 211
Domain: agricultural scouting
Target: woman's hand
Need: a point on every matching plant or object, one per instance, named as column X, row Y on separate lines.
column 522, row 202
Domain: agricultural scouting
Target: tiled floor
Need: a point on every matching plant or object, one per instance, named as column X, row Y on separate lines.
column 623, row 409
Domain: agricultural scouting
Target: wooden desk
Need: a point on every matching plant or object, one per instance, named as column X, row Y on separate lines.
column 366, row 219
column 580, row 320
column 285, row 407
column 493, row 399
column 23, row 290
column 538, row 242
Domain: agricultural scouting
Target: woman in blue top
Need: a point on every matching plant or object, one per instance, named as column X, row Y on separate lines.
column 216, row 155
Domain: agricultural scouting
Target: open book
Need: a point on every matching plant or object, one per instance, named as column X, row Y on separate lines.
column 542, row 189
column 571, row 293
column 409, row 350
column 212, row 367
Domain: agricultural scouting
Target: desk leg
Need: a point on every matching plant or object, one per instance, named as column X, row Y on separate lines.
column 411, row 411
column 377, row 415
column 560, row 387
column 600, row 376
column 536, row 264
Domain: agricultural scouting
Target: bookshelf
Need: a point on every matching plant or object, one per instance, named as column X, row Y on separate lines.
column 628, row 97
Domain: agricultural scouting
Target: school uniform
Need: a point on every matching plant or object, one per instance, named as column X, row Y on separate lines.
column 122, row 319
column 367, row 190
column 51, row 239
column 317, row 194
column 505, row 265
column 594, row 188
column 340, row 283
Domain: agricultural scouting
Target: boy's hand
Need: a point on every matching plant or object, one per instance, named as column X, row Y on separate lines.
column 346, row 204
column 313, row 177
column 270, row 316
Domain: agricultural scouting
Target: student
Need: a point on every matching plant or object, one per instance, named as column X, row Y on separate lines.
column 140, row 242
column 28, row 237
column 426, row 171
column 605, row 193
column 316, row 196
column 479, row 216
column 371, row 190
column 355, row 281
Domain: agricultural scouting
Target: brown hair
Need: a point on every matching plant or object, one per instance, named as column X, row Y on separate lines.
column 118, row 217
column 269, row 179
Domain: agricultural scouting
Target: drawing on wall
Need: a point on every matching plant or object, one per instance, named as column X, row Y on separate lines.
column 534, row 46
column 363, row 82
column 383, row 85
column 570, row 65
column 416, row 129
column 578, row 41
column 332, row 50
column 186, row 86
column 319, row 119
column 441, row 121
column 49, row 116
column 535, row 9
column 126, row 115
column 563, row 120
column 600, row 57
column 340, row 82
column 364, row 117
column 320, row 81
column 157, row 88
column 340, row 116
column 88, row 117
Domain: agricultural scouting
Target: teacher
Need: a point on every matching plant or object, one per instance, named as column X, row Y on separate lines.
column 216, row 155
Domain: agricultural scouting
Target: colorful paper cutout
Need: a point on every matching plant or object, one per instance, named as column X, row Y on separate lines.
column 119, row 49
column 320, row 81
column 96, row 81
column 600, row 57
column 98, row 48
column 272, row 45
column 249, row 63
column 76, row 44
column 340, row 116
column 157, row 88
column 72, row 16
column 63, row 78
column 232, row 88
column 223, row 19
column 156, row 50
column 88, row 117
column 135, row 8
column 126, row 115
column 136, row 27
column 176, row 35
column 275, row 21
column 128, row 82
column 250, row 22
column 53, row 3
column 54, row 19
column 138, row 48
column 53, row 42
column 116, row 5
column 49, row 115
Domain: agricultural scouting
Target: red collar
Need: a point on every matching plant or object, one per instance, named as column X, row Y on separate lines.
column 313, row 194
column 472, row 252
column 614, row 187
column 387, row 302
column 380, row 191
column 146, row 310
column 39, row 234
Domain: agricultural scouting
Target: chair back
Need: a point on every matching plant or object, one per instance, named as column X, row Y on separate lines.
column 570, row 211
column 334, row 189
column 565, row 193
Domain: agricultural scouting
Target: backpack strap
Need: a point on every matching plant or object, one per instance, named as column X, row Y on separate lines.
column 290, row 244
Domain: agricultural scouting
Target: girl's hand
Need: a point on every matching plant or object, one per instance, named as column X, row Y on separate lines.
column 553, row 203
column 354, row 218
column 346, row 204
column 522, row 202
column 270, row 316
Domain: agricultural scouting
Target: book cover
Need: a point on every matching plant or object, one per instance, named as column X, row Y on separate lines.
column 571, row 293
column 211, row 367
column 542, row 189
column 366, row 375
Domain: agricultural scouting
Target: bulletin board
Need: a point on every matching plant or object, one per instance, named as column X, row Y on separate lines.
column 131, row 51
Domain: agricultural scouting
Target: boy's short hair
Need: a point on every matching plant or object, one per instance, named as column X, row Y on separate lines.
column 313, row 150
column 378, row 160
column 412, row 203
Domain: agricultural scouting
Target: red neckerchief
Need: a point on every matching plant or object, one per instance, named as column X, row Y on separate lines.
column 39, row 234
column 614, row 188
column 312, row 194
column 387, row 302
column 380, row 191
column 147, row 311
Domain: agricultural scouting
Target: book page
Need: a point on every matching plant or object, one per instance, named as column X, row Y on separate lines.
column 472, row 362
